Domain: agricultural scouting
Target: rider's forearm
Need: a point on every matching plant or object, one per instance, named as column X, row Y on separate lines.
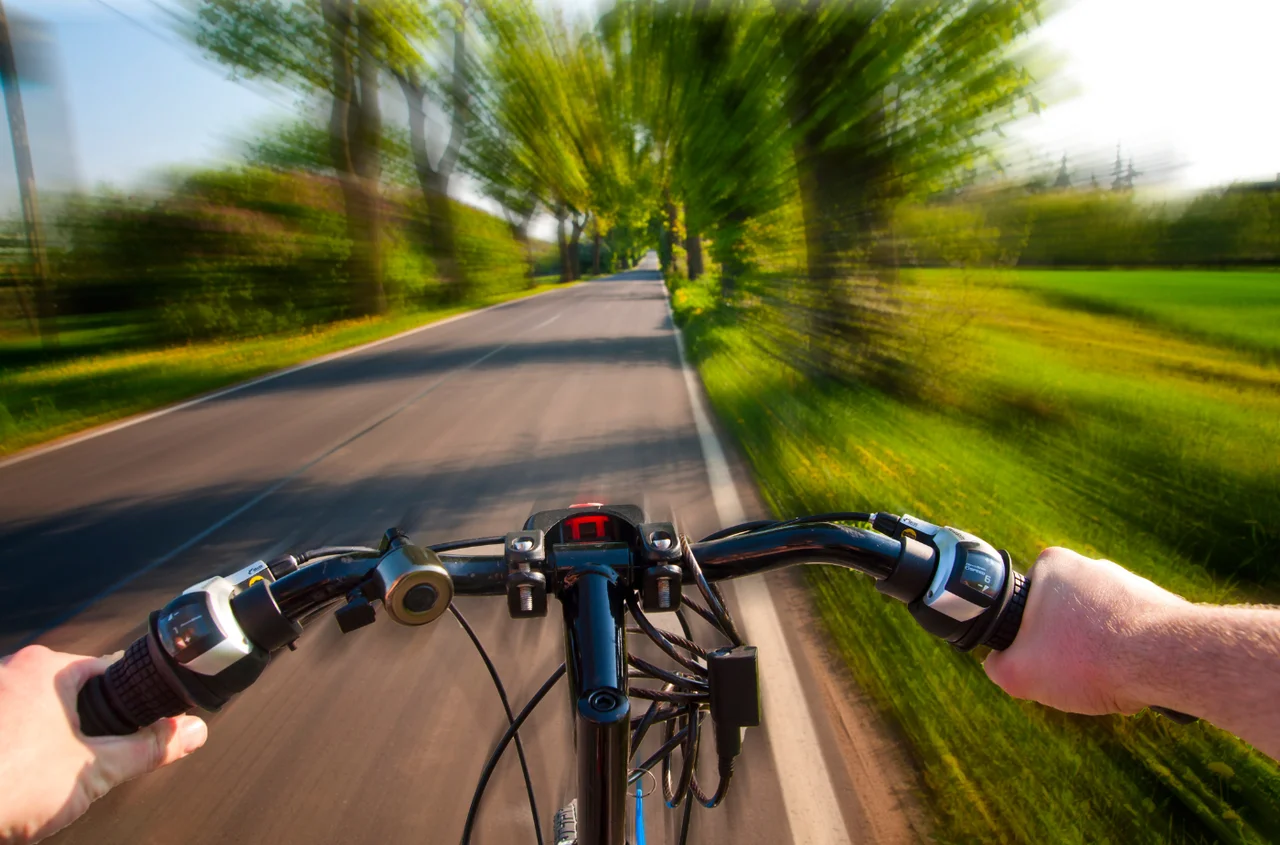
column 1219, row 663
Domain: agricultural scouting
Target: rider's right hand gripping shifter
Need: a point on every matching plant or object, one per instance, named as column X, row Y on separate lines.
column 957, row 586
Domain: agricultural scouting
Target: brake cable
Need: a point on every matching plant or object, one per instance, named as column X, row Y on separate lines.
column 496, row 755
column 506, row 706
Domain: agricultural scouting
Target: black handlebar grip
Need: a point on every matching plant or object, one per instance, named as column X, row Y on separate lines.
column 1006, row 627
column 133, row 693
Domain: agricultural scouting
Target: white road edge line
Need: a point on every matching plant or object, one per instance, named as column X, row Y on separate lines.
column 37, row 451
column 813, row 812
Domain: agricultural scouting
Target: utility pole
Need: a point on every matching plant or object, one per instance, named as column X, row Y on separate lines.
column 46, row 309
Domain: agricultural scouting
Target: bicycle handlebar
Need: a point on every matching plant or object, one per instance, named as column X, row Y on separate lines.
column 215, row 640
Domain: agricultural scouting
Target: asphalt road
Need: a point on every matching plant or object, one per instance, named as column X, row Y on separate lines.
column 459, row 430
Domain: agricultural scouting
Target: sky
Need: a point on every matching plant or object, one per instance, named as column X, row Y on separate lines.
column 1186, row 87
column 1189, row 84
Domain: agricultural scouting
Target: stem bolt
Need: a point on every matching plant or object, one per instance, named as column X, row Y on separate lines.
column 664, row 593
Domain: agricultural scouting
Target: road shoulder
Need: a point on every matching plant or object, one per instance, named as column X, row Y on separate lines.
column 876, row 786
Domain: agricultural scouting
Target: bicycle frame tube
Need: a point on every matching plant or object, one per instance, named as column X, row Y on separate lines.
column 596, row 657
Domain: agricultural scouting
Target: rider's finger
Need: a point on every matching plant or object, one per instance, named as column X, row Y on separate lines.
column 122, row 758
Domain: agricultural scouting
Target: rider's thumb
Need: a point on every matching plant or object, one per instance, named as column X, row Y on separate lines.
column 122, row 758
column 995, row 668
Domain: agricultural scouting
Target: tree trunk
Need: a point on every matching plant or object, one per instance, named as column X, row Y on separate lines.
column 564, row 247
column 842, row 174
column 434, row 184
column 367, row 157
column 727, row 251
column 595, row 251
column 46, row 305
column 671, row 235
column 520, row 234
column 444, row 243
column 363, row 264
column 692, row 248
column 434, row 181
column 575, row 253
column 575, row 268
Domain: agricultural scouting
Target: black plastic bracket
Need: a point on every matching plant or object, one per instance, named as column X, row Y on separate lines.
column 357, row 613
column 525, row 549
column 660, row 543
column 733, row 675
column 526, row 594
column 661, row 590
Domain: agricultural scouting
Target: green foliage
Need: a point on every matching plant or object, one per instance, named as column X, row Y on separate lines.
column 301, row 145
column 1238, row 226
column 229, row 253
column 1123, row 438
column 281, row 42
column 252, row 251
column 1091, row 228
column 288, row 41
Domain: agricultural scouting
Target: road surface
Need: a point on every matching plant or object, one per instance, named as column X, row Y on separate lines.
column 458, row 430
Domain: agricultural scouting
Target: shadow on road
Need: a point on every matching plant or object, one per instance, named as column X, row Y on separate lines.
column 633, row 276
column 83, row 552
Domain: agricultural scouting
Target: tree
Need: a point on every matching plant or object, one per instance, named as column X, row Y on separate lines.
column 1063, row 181
column 886, row 100
column 46, row 308
column 339, row 49
column 410, row 71
column 1130, row 174
column 326, row 47
column 504, row 177
column 706, row 87
column 524, row 155
column 555, row 125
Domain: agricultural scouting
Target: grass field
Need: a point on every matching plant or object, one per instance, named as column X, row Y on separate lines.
column 1057, row 423
column 96, row 377
column 1235, row 308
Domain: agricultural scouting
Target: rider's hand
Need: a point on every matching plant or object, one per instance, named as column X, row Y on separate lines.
column 1076, row 649
column 49, row 772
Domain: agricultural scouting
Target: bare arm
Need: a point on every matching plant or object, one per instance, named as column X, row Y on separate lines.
column 1098, row 639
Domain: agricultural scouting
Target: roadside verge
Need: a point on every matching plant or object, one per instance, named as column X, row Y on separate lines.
column 87, row 397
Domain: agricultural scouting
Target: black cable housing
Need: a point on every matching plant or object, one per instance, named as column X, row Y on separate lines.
column 506, row 707
column 487, row 772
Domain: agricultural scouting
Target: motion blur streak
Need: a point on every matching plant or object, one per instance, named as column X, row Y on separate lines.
column 888, row 308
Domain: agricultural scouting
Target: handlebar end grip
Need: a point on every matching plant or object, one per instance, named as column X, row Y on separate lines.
column 1006, row 627
column 133, row 693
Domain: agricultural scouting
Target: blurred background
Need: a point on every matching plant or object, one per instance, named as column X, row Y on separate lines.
column 1011, row 263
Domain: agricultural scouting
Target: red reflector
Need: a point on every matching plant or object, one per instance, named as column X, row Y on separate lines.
column 586, row 527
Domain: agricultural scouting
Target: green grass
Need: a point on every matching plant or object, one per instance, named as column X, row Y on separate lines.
column 91, row 380
column 1240, row 308
column 1054, row 425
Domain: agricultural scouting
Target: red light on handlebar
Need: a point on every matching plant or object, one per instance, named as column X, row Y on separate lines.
column 585, row 528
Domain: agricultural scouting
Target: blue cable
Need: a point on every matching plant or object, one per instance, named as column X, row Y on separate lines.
column 639, row 813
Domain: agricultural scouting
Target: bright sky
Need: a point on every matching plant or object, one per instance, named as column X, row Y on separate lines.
column 1180, row 82
column 1191, row 80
